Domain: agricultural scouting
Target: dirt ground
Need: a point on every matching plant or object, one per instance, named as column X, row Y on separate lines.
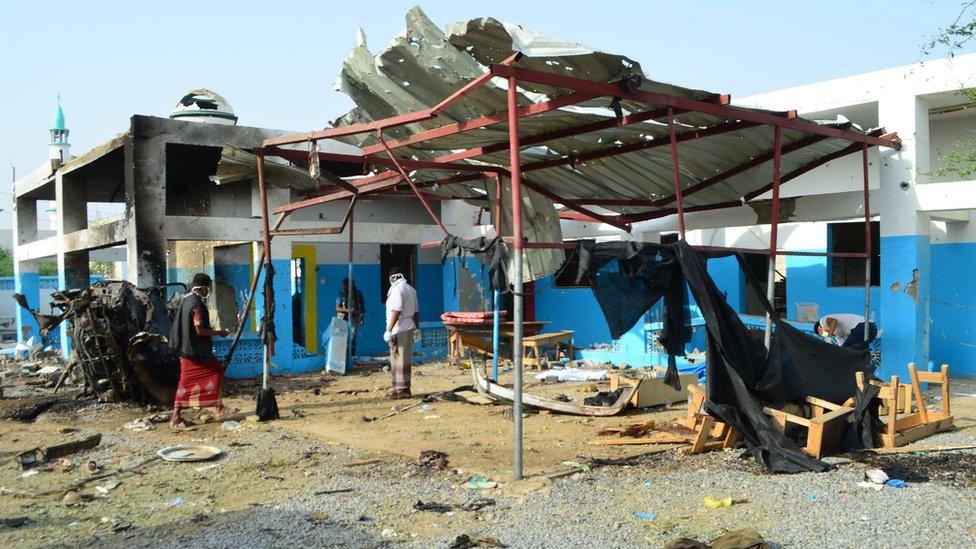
column 321, row 431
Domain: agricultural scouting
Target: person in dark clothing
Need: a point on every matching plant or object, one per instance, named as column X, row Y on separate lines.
column 201, row 374
column 353, row 310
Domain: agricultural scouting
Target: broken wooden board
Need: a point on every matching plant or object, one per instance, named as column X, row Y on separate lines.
column 493, row 390
column 653, row 390
column 37, row 456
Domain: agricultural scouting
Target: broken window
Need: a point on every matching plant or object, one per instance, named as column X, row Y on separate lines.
column 849, row 238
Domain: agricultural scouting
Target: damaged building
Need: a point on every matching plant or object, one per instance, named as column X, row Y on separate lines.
column 185, row 190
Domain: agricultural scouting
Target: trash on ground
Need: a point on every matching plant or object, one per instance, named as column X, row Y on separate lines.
column 876, row 476
column 230, row 425
column 871, row 485
column 465, row 541
column 645, row 516
column 28, row 474
column 175, row 502
column 15, row 522
column 433, row 459
column 432, row 506
column 713, row 503
column 476, row 504
column 896, row 483
column 363, row 462
column 480, row 483
column 140, row 424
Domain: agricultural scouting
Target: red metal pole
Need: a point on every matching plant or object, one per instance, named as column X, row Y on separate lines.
column 867, row 242
column 515, row 173
column 677, row 173
column 774, row 229
column 498, row 205
column 269, row 344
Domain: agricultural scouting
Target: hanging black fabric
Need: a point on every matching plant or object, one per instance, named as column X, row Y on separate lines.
column 627, row 278
column 493, row 253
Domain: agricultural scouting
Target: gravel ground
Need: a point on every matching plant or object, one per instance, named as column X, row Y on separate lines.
column 595, row 510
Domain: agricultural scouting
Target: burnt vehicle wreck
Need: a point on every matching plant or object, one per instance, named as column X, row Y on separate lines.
column 118, row 339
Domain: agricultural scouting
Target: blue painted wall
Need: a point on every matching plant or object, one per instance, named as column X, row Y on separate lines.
column 905, row 324
column 952, row 307
column 573, row 309
column 729, row 279
column 808, row 279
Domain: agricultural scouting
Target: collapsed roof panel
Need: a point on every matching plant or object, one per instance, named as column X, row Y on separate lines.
column 593, row 128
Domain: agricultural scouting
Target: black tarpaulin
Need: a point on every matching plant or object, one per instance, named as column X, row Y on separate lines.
column 627, row 278
column 491, row 252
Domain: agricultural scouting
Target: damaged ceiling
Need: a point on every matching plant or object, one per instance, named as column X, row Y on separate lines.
column 424, row 65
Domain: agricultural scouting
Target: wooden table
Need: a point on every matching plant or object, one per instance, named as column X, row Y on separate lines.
column 477, row 336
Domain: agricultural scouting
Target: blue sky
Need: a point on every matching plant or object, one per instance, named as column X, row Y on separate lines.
column 275, row 61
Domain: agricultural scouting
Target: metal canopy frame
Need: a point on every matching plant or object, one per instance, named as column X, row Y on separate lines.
column 660, row 105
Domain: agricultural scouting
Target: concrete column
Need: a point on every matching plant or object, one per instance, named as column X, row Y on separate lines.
column 71, row 199
column 145, row 205
column 26, row 280
column 905, row 241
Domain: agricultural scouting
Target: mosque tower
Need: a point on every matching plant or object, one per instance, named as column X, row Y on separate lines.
column 59, row 146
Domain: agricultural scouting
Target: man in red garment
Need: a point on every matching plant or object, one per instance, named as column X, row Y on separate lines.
column 201, row 374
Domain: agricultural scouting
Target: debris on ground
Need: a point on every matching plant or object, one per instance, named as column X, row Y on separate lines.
column 140, row 424
column 432, row 506
column 480, row 483
column 715, row 503
column 37, row 456
column 465, row 541
column 432, row 459
column 123, row 353
column 737, row 539
column 604, row 398
column 646, row 432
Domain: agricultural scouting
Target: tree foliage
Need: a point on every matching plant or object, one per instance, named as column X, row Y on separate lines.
column 959, row 161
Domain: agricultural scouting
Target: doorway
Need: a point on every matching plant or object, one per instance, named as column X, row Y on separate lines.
column 304, row 299
column 759, row 265
column 403, row 256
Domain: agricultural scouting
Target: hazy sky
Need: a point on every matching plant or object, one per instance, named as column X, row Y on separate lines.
column 275, row 61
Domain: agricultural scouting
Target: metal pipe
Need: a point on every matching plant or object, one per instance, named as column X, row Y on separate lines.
column 268, row 293
column 677, row 173
column 867, row 244
column 773, row 232
column 516, row 180
column 497, row 294
column 350, row 296
column 416, row 190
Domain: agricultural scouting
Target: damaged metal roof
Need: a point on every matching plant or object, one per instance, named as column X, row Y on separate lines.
column 723, row 158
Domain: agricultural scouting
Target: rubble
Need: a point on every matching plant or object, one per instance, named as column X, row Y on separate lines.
column 117, row 333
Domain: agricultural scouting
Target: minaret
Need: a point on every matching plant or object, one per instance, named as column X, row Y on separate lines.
column 59, row 146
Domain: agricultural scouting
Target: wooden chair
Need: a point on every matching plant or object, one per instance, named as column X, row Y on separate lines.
column 825, row 426
column 916, row 422
column 710, row 434
column 531, row 346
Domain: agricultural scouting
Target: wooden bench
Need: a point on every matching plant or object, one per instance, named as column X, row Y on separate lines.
column 531, row 346
column 916, row 421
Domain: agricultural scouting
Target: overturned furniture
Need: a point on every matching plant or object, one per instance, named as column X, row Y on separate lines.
column 116, row 332
column 710, row 433
column 653, row 390
column 825, row 424
column 902, row 425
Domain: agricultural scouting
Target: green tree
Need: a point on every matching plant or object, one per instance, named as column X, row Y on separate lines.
column 6, row 262
column 960, row 161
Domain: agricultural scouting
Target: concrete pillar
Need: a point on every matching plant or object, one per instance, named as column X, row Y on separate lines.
column 145, row 206
column 26, row 279
column 905, row 241
column 71, row 199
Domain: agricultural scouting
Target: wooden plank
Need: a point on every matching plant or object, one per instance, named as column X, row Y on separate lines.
column 946, row 407
column 822, row 403
column 549, row 337
column 707, row 422
column 921, row 431
column 893, row 411
column 784, row 417
column 917, row 390
column 924, row 448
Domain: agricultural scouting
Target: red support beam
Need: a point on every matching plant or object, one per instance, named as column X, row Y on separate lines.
column 609, row 220
column 413, row 185
column 484, row 121
column 297, row 155
column 677, row 173
column 777, row 163
column 352, row 129
column 685, row 103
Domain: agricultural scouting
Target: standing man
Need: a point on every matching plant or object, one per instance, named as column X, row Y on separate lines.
column 352, row 310
column 402, row 318
column 201, row 374
column 844, row 329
